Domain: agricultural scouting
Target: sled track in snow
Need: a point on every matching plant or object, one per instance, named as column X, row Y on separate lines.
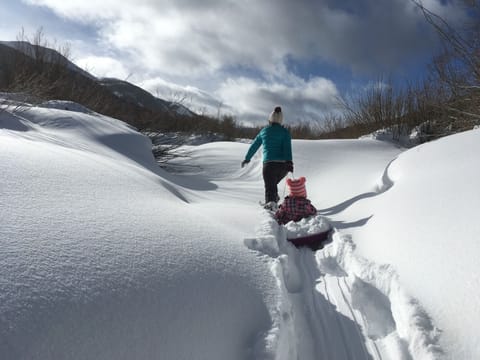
column 335, row 336
column 332, row 310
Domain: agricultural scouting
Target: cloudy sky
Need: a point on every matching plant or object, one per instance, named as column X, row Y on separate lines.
column 239, row 57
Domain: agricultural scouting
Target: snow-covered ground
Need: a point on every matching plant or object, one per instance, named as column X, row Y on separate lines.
column 107, row 256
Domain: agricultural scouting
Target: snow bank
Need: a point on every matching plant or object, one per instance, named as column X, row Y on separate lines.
column 427, row 223
column 417, row 214
column 102, row 256
column 65, row 105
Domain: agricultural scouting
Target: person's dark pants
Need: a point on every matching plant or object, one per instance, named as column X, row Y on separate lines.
column 273, row 173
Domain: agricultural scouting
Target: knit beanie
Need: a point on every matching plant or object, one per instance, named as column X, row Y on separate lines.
column 297, row 187
column 276, row 116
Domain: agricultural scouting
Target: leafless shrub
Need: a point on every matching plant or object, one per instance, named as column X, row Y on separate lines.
column 381, row 105
column 457, row 68
column 32, row 68
column 444, row 102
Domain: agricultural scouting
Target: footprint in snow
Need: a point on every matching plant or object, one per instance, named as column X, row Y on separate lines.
column 375, row 307
column 291, row 275
column 329, row 265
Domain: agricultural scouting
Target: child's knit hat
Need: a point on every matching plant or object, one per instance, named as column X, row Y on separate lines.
column 297, row 187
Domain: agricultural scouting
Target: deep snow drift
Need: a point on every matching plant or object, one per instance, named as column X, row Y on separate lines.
column 106, row 256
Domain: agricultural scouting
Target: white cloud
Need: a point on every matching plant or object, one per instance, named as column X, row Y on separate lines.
column 302, row 101
column 103, row 66
column 241, row 47
column 187, row 38
column 250, row 100
column 192, row 97
column 82, row 11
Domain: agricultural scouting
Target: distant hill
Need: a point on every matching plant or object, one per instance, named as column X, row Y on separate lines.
column 133, row 93
column 45, row 54
column 44, row 74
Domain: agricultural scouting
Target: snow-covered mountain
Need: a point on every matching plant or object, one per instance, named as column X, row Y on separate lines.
column 107, row 256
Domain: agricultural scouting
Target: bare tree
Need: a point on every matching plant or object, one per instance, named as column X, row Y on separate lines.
column 380, row 106
column 457, row 68
column 34, row 68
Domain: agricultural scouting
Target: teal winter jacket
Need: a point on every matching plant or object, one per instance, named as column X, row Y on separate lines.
column 276, row 141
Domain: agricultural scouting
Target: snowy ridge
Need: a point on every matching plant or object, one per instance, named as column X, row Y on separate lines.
column 352, row 308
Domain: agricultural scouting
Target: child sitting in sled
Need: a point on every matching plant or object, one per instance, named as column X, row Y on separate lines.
column 296, row 206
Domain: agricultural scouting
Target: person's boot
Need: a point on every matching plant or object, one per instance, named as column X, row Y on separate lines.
column 271, row 205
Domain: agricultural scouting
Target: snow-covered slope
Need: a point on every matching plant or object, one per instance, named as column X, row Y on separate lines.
column 426, row 225
column 102, row 257
column 106, row 256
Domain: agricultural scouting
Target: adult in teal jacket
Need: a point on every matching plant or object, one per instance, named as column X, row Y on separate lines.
column 277, row 155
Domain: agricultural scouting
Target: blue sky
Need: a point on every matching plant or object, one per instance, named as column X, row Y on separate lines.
column 240, row 57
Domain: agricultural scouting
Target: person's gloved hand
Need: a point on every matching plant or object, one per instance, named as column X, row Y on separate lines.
column 245, row 162
column 290, row 166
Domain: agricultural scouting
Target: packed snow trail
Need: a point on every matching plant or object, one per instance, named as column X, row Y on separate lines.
column 333, row 304
column 325, row 311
